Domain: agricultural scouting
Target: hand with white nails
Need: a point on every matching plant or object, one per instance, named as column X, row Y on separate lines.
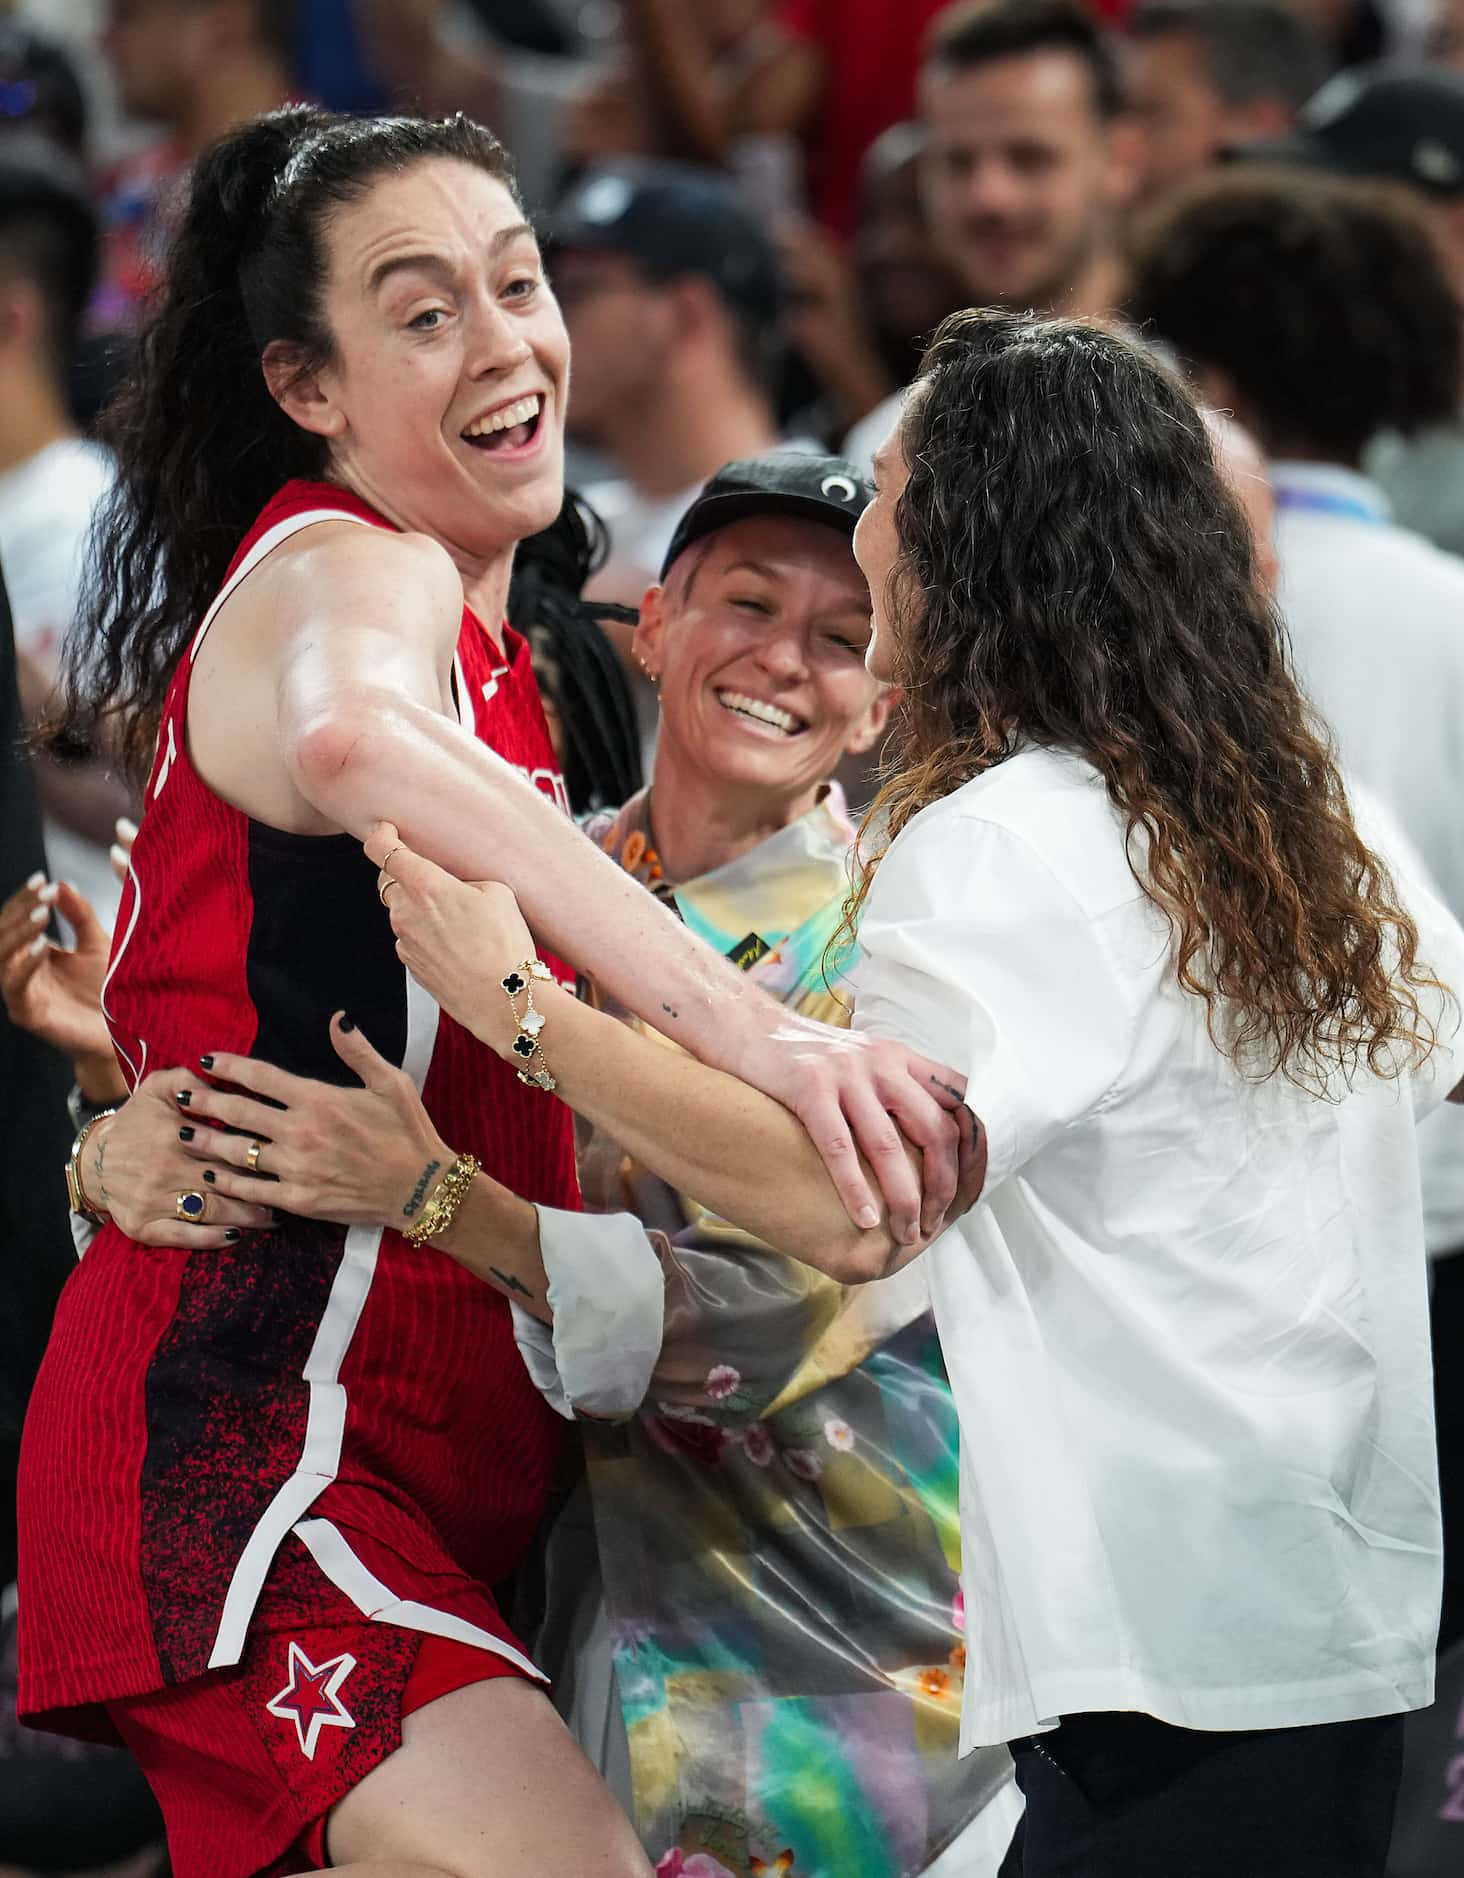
column 55, row 992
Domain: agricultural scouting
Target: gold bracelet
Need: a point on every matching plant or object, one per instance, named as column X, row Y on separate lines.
column 443, row 1201
column 533, row 1069
column 75, row 1191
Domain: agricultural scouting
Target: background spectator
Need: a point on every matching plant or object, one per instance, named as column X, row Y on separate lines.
column 671, row 293
column 1407, row 128
column 51, row 481
column 1029, row 162
column 1208, row 76
column 1321, row 313
column 194, row 68
column 859, row 323
column 842, row 71
column 40, row 91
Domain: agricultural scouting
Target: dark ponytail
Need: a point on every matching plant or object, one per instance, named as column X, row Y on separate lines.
column 578, row 669
column 201, row 444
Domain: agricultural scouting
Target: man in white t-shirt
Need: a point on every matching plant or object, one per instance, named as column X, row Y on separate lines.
column 51, row 481
column 1322, row 316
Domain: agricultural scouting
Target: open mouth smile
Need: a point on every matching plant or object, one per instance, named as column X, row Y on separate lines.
column 769, row 719
column 510, row 431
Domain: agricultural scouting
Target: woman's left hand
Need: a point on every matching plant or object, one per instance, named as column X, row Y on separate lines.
column 456, row 939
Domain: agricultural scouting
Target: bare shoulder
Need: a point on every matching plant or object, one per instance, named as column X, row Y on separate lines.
column 355, row 573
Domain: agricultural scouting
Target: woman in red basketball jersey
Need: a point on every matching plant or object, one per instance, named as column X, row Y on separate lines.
column 266, row 1490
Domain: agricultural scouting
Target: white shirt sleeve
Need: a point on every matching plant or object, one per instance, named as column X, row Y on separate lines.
column 607, row 1291
column 976, row 954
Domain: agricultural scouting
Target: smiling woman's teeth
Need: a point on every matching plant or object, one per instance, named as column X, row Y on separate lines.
column 761, row 713
column 512, row 415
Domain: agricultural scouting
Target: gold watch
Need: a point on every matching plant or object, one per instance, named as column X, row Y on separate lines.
column 74, row 1189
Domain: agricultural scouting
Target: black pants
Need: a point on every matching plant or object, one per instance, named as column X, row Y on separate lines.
column 1125, row 1796
column 1446, row 1314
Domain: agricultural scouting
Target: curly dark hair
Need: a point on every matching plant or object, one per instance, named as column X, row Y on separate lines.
column 1326, row 303
column 201, row 444
column 1073, row 572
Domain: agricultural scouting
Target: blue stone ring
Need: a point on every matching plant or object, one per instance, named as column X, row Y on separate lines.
column 190, row 1207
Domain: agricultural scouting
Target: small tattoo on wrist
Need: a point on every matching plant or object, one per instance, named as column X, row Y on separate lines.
column 102, row 1193
column 671, row 1011
column 419, row 1192
column 509, row 1282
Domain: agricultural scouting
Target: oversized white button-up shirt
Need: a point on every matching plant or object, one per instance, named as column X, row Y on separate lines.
column 1187, row 1323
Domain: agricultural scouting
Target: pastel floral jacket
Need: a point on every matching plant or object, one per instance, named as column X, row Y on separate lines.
column 777, row 1528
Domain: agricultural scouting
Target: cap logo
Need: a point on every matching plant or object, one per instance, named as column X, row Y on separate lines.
column 1334, row 100
column 606, row 199
column 1435, row 162
column 839, row 486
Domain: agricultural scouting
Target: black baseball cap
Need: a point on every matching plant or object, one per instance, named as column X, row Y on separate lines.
column 1380, row 121
column 672, row 219
column 825, row 489
column 40, row 91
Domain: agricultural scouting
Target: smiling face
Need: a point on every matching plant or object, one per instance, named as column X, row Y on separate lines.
column 1021, row 175
column 758, row 639
column 444, row 402
column 877, row 549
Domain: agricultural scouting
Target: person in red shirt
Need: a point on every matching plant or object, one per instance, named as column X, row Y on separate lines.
column 850, row 69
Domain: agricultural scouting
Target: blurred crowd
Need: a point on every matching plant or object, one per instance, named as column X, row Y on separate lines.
column 755, row 211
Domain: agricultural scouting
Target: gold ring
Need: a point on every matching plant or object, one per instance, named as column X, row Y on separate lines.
column 190, row 1207
column 389, row 853
column 251, row 1159
column 382, row 885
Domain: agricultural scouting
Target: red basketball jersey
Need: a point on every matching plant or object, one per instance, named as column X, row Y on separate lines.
column 193, row 1407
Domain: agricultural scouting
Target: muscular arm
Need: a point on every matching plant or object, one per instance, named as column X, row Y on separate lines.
column 360, row 712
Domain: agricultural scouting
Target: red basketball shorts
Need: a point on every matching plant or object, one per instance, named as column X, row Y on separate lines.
column 247, row 1762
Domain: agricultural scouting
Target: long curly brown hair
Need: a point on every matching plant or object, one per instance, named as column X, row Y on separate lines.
column 1074, row 573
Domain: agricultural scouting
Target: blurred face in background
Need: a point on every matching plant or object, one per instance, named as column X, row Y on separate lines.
column 1181, row 114
column 905, row 287
column 1444, row 42
column 620, row 327
column 1184, row 122
column 156, row 47
column 1022, row 175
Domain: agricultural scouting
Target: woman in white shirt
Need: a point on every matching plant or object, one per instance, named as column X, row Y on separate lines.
column 1120, row 882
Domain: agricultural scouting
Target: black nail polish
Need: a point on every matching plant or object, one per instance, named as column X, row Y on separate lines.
column 347, row 1024
column 209, row 1175
column 206, row 1061
column 183, row 1098
column 185, row 1134
column 233, row 1235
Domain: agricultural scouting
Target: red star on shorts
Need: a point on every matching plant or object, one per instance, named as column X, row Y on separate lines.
column 311, row 1698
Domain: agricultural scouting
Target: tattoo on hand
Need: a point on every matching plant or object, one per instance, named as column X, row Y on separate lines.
column 419, row 1192
column 671, row 1011
column 102, row 1193
column 950, row 1090
column 509, row 1282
